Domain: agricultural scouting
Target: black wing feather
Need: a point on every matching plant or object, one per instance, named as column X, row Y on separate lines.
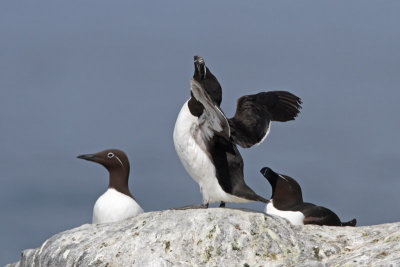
column 320, row 216
column 255, row 112
column 229, row 169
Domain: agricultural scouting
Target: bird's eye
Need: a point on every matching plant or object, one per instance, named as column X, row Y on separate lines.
column 110, row 155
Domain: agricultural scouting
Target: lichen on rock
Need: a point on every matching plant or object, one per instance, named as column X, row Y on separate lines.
column 216, row 237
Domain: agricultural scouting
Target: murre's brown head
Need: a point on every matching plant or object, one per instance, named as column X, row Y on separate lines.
column 286, row 192
column 117, row 164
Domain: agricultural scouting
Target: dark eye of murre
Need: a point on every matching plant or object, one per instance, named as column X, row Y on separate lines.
column 110, row 155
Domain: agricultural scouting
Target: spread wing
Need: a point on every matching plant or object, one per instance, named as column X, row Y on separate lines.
column 253, row 115
column 212, row 120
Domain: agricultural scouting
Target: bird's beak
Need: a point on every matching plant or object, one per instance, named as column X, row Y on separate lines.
column 90, row 157
column 200, row 66
column 269, row 174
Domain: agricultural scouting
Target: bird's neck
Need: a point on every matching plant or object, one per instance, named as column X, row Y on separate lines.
column 119, row 181
column 195, row 107
column 286, row 202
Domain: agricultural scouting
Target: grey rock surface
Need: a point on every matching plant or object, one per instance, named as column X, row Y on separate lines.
column 217, row 237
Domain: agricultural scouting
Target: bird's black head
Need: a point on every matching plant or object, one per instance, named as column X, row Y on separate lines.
column 200, row 68
column 117, row 164
column 286, row 192
column 114, row 160
column 208, row 81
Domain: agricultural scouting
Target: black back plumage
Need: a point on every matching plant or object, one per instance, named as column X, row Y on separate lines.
column 229, row 168
column 287, row 196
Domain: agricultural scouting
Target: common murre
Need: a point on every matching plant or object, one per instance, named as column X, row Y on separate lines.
column 117, row 203
column 287, row 202
column 205, row 139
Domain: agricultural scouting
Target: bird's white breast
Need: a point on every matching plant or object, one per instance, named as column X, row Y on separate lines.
column 114, row 206
column 294, row 217
column 191, row 149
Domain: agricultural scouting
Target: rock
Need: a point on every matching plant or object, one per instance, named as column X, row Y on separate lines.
column 216, row 237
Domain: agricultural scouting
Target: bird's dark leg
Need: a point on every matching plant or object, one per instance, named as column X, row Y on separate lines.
column 222, row 205
column 195, row 206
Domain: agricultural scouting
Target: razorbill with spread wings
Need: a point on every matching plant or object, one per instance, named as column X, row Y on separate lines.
column 205, row 139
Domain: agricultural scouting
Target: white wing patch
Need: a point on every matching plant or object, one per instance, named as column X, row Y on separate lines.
column 266, row 134
column 213, row 119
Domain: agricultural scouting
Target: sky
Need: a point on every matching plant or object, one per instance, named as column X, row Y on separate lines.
column 79, row 77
